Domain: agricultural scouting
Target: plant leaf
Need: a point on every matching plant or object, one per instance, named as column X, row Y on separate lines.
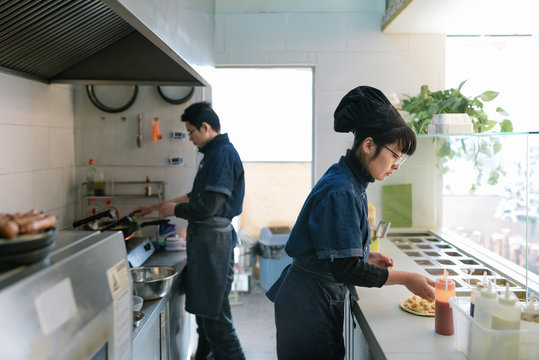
column 501, row 111
column 506, row 126
column 489, row 95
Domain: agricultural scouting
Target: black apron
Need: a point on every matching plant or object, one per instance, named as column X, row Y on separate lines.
column 309, row 314
column 210, row 244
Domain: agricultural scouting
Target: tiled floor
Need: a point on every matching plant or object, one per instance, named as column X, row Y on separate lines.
column 254, row 324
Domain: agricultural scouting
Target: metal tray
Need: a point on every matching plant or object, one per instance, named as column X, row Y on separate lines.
column 433, row 255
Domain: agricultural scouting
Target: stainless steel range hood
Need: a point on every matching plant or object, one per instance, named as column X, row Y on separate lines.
column 86, row 42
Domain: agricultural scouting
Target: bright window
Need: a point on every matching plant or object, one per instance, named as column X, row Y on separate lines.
column 506, row 64
column 267, row 112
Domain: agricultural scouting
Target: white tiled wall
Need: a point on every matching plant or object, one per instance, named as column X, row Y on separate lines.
column 345, row 48
column 111, row 142
column 37, row 145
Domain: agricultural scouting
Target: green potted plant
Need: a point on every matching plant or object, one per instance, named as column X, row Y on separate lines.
column 423, row 106
column 451, row 101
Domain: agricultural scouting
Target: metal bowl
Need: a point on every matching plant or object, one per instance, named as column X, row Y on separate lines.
column 153, row 282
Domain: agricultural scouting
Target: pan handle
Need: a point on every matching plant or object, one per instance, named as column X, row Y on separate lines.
column 107, row 213
column 155, row 222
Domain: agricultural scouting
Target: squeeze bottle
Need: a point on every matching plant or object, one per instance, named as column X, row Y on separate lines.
column 484, row 303
column 443, row 314
column 475, row 292
column 481, row 339
column 506, row 316
column 530, row 327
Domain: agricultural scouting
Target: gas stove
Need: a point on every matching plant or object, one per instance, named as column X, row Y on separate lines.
column 139, row 249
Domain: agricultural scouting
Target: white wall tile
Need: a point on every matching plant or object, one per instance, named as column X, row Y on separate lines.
column 50, row 190
column 289, row 57
column 61, row 147
column 256, row 32
column 17, row 192
column 32, row 147
column 9, row 154
column 316, row 32
column 346, row 70
column 248, row 58
column 219, row 40
column 364, row 33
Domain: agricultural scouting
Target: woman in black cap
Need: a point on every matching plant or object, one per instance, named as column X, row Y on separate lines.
column 330, row 240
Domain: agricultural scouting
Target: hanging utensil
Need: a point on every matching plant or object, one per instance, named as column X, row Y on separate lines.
column 139, row 132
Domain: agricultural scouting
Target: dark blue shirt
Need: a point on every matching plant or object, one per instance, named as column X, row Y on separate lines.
column 221, row 171
column 333, row 221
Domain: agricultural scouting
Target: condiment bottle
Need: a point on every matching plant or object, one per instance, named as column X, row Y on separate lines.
column 148, row 187
column 484, row 303
column 90, row 175
column 530, row 324
column 481, row 339
column 506, row 316
column 475, row 292
column 443, row 315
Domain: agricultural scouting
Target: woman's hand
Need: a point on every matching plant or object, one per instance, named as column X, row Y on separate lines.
column 167, row 209
column 420, row 285
column 143, row 210
column 377, row 258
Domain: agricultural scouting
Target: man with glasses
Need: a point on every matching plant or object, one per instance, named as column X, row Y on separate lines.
column 216, row 197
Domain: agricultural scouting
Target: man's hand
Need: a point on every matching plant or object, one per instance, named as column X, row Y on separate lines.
column 143, row 210
column 167, row 209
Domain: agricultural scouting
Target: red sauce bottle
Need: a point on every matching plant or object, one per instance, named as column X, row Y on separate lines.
column 443, row 318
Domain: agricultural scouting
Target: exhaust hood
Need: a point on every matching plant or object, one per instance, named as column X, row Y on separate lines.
column 85, row 42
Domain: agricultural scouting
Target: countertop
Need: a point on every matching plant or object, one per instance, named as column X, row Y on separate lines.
column 152, row 308
column 393, row 333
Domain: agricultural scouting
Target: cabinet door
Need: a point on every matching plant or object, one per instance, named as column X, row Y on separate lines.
column 164, row 318
column 149, row 345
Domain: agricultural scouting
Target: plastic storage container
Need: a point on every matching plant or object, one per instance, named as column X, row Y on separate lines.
column 467, row 330
column 273, row 257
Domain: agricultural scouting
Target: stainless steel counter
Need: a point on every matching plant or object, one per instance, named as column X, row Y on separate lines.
column 165, row 314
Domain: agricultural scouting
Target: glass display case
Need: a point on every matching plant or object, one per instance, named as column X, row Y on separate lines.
column 479, row 192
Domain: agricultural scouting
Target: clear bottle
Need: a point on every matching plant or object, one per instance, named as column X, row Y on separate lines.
column 481, row 339
column 90, row 177
column 443, row 317
column 148, row 187
column 99, row 183
column 530, row 326
column 475, row 292
column 484, row 303
column 506, row 316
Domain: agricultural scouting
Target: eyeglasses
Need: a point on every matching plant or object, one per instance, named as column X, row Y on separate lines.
column 400, row 159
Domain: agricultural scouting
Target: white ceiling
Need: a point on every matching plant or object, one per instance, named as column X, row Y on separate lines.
column 460, row 17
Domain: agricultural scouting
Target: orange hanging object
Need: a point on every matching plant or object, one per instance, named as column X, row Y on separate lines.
column 156, row 134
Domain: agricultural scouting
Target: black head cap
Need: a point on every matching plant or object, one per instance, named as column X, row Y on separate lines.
column 365, row 108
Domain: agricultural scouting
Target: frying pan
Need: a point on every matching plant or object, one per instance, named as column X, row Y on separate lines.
column 127, row 224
